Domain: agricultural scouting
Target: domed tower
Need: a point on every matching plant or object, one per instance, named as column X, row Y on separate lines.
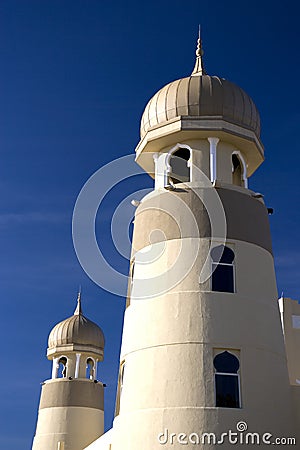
column 71, row 410
column 202, row 346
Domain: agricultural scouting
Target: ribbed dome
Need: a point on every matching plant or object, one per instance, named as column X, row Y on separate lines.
column 204, row 97
column 77, row 330
column 201, row 97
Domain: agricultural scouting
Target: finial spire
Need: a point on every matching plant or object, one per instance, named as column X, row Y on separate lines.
column 199, row 67
column 78, row 307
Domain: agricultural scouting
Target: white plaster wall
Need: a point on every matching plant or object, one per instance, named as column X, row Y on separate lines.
column 168, row 345
column 75, row 426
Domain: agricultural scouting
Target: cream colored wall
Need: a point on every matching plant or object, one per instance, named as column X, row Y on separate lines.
column 168, row 346
column 70, row 411
column 224, row 162
column 77, row 427
column 290, row 317
column 200, row 155
column 290, row 313
column 182, row 214
column 169, row 340
column 295, row 390
column 103, row 443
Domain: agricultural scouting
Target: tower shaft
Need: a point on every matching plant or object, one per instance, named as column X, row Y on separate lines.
column 71, row 414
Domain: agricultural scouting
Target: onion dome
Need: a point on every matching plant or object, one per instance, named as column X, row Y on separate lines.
column 77, row 333
column 198, row 107
column 203, row 97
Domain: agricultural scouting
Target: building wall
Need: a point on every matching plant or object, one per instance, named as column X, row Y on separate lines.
column 70, row 413
column 290, row 317
column 169, row 343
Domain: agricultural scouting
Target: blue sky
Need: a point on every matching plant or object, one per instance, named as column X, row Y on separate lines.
column 74, row 79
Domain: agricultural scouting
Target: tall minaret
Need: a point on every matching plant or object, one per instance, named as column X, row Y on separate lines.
column 202, row 346
column 71, row 412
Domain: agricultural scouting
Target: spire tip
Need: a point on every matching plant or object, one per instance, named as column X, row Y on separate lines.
column 199, row 68
column 78, row 307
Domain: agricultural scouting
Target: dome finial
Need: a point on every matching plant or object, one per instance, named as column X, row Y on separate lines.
column 78, row 307
column 199, row 67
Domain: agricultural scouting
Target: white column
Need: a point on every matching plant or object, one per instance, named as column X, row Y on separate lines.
column 155, row 159
column 161, row 175
column 54, row 368
column 95, row 369
column 77, row 364
column 245, row 179
column 213, row 142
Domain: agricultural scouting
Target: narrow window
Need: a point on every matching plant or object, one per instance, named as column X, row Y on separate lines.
column 130, row 283
column 120, row 388
column 90, row 369
column 62, row 367
column 180, row 171
column 122, row 378
column 222, row 269
column 227, row 383
column 132, row 275
column 239, row 170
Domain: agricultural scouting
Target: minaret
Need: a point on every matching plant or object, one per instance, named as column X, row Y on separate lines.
column 202, row 346
column 71, row 412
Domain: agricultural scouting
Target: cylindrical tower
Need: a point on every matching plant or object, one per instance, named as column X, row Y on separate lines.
column 202, row 346
column 71, row 410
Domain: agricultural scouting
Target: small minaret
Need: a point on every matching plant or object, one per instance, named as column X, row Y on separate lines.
column 71, row 411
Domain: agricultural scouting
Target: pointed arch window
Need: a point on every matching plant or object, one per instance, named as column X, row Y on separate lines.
column 62, row 367
column 179, row 171
column 223, row 276
column 130, row 282
column 120, row 387
column 122, row 370
column 227, row 381
column 90, row 369
column 239, row 170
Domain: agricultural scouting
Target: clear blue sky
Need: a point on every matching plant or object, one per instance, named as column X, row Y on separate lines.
column 74, row 79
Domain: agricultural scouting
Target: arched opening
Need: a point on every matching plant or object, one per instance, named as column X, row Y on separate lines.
column 227, row 383
column 130, row 282
column 132, row 267
column 239, row 170
column 62, row 367
column 122, row 377
column 120, row 388
column 236, row 171
column 222, row 269
column 90, row 369
column 179, row 166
